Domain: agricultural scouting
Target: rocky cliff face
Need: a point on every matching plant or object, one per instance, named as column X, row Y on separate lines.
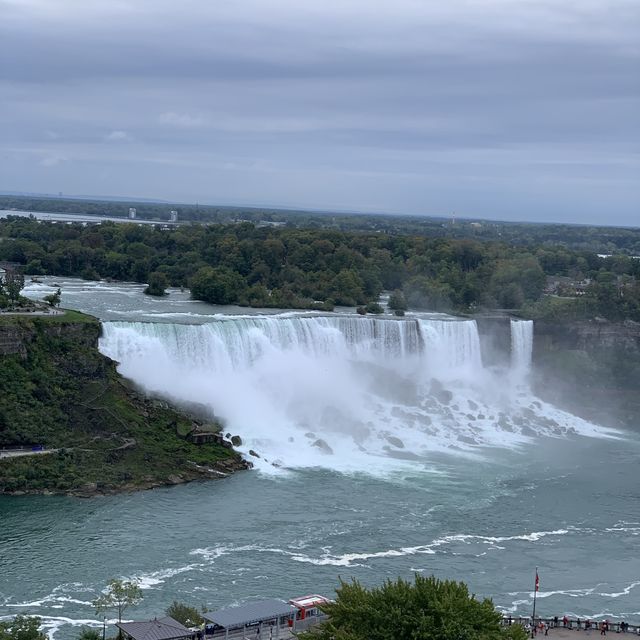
column 17, row 332
column 58, row 391
column 591, row 367
column 587, row 335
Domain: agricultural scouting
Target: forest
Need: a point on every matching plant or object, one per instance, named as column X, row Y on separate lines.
column 258, row 266
column 597, row 239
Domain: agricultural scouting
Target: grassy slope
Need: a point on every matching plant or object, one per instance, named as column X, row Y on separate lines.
column 67, row 395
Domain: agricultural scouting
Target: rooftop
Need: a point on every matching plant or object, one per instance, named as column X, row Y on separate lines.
column 157, row 629
column 250, row 613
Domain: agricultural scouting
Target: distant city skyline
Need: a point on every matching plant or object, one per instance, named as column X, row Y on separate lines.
column 524, row 110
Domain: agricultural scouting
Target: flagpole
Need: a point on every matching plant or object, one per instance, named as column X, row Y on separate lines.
column 535, row 593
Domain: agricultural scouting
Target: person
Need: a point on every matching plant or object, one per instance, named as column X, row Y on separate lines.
column 555, row 621
column 565, row 621
column 603, row 628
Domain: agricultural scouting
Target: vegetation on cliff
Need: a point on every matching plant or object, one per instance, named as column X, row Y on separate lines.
column 57, row 390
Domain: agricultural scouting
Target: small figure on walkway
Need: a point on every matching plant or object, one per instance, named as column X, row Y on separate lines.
column 603, row 628
column 565, row 621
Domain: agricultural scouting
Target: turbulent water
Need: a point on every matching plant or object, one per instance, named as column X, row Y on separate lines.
column 386, row 446
column 343, row 393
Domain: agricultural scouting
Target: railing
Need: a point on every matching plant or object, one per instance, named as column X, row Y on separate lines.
column 619, row 626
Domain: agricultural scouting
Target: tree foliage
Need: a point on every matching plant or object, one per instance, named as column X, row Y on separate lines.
column 120, row 595
column 428, row 609
column 21, row 628
column 158, row 282
column 317, row 268
column 183, row 613
column 53, row 299
column 89, row 634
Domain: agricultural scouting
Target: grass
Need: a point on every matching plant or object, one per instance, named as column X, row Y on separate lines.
column 66, row 395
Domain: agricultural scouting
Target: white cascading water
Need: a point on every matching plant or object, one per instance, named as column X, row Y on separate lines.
column 521, row 346
column 342, row 392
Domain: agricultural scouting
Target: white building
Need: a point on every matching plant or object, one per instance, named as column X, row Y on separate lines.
column 132, row 213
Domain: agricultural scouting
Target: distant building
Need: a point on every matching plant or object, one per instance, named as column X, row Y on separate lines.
column 132, row 213
column 173, row 216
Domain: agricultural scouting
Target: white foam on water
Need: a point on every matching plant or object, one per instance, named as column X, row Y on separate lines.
column 353, row 559
column 343, row 392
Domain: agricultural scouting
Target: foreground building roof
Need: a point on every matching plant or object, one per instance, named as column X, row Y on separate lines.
column 250, row 613
column 157, row 629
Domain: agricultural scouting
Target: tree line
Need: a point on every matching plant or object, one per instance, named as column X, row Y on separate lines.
column 318, row 268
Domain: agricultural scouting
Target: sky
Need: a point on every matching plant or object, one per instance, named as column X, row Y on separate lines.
column 505, row 109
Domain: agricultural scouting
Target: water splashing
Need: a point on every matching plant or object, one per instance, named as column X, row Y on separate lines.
column 343, row 392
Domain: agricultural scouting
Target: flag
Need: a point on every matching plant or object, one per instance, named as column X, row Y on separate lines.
column 537, row 581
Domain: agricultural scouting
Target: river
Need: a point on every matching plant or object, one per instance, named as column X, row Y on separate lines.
column 387, row 449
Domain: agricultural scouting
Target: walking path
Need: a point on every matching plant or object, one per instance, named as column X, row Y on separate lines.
column 17, row 453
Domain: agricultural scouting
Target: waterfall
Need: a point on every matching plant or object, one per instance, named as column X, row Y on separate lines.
column 521, row 345
column 343, row 392
column 451, row 345
column 239, row 342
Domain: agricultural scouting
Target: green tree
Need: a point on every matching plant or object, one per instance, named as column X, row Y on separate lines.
column 183, row 613
column 397, row 301
column 428, row 609
column 13, row 285
column 53, row 299
column 158, row 282
column 21, row 628
column 120, row 595
column 218, row 286
column 89, row 634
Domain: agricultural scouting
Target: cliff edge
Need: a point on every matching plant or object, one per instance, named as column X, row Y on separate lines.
column 58, row 393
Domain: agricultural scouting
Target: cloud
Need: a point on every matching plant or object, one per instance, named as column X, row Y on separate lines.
column 117, row 135
column 52, row 160
column 526, row 109
column 185, row 120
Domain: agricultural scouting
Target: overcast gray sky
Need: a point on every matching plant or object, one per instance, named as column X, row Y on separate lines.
column 512, row 109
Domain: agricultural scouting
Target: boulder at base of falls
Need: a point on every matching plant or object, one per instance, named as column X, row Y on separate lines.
column 323, row 446
column 236, row 441
column 441, row 394
column 253, row 453
column 396, row 442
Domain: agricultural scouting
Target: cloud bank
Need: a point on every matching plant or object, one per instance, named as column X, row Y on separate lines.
column 515, row 109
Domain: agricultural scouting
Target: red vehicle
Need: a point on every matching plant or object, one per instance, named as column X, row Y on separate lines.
column 309, row 606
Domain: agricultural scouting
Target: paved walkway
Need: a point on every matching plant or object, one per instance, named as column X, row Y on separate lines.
column 17, row 453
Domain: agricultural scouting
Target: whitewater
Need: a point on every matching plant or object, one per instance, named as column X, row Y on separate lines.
column 387, row 447
column 344, row 392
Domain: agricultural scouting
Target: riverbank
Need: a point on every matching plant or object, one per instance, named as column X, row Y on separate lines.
column 101, row 435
